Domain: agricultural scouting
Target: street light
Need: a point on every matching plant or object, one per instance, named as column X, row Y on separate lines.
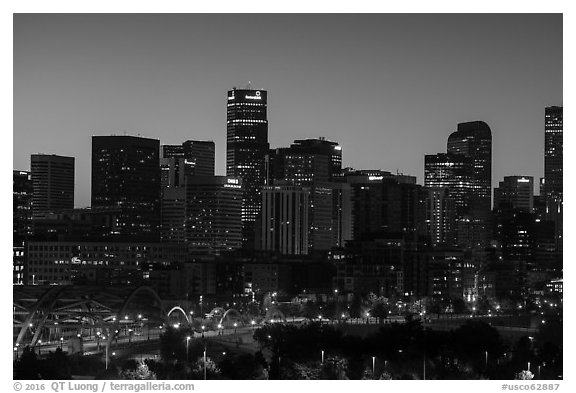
column 235, row 326
column 253, row 324
column 373, row 365
column 204, row 362
column 203, row 327
column 187, row 341
column 61, row 342
column 322, row 356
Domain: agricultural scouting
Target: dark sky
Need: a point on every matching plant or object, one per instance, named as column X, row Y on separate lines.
column 389, row 88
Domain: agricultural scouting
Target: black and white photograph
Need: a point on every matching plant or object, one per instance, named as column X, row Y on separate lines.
column 287, row 196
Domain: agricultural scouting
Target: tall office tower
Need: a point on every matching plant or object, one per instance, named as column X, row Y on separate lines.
column 52, row 183
column 200, row 156
column 321, row 147
column 383, row 206
column 440, row 217
column 553, row 151
column 553, row 170
column 21, row 205
column 246, row 147
column 285, row 219
column 213, row 213
column 312, row 163
column 172, row 166
column 515, row 192
column 173, row 215
column 177, row 162
column 192, row 158
column 474, row 140
column 453, row 172
column 342, row 218
column 22, row 222
column 126, row 174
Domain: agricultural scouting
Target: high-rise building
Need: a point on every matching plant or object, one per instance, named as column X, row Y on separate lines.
column 314, row 163
column 173, row 169
column 553, row 152
column 474, row 140
column 21, row 205
column 384, row 206
column 200, row 156
column 213, row 213
column 22, row 222
column 246, row 147
column 517, row 192
column 192, row 158
column 440, row 217
column 52, row 183
column 453, row 172
column 126, row 174
column 285, row 219
column 173, row 215
column 321, row 146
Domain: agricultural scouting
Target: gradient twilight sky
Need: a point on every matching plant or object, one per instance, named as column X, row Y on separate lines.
column 389, row 88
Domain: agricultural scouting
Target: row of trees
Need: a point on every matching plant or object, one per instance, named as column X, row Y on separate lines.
column 473, row 351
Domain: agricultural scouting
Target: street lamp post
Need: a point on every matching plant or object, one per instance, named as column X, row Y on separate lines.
column 187, row 341
column 204, row 362
column 62, row 342
column 203, row 327
column 235, row 327
column 373, row 365
column 322, row 362
column 486, row 360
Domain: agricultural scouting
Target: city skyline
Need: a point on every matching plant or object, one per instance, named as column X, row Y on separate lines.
column 403, row 107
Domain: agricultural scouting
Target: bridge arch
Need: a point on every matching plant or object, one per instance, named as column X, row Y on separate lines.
column 216, row 311
column 178, row 308
column 52, row 295
column 163, row 314
column 228, row 312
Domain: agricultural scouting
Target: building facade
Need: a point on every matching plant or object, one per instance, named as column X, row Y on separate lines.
column 515, row 191
column 213, row 213
column 246, row 147
column 553, row 152
column 52, row 183
column 474, row 140
column 285, row 219
column 126, row 174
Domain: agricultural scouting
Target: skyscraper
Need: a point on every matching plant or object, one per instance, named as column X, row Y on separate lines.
column 213, row 213
column 553, row 152
column 385, row 205
column 126, row 174
column 474, row 140
column 192, row 158
column 21, row 205
column 246, row 147
column 517, row 192
column 200, row 156
column 453, row 172
column 52, row 183
column 553, row 170
column 285, row 219
column 440, row 216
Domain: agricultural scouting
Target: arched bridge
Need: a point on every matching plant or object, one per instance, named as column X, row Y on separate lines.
column 53, row 313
